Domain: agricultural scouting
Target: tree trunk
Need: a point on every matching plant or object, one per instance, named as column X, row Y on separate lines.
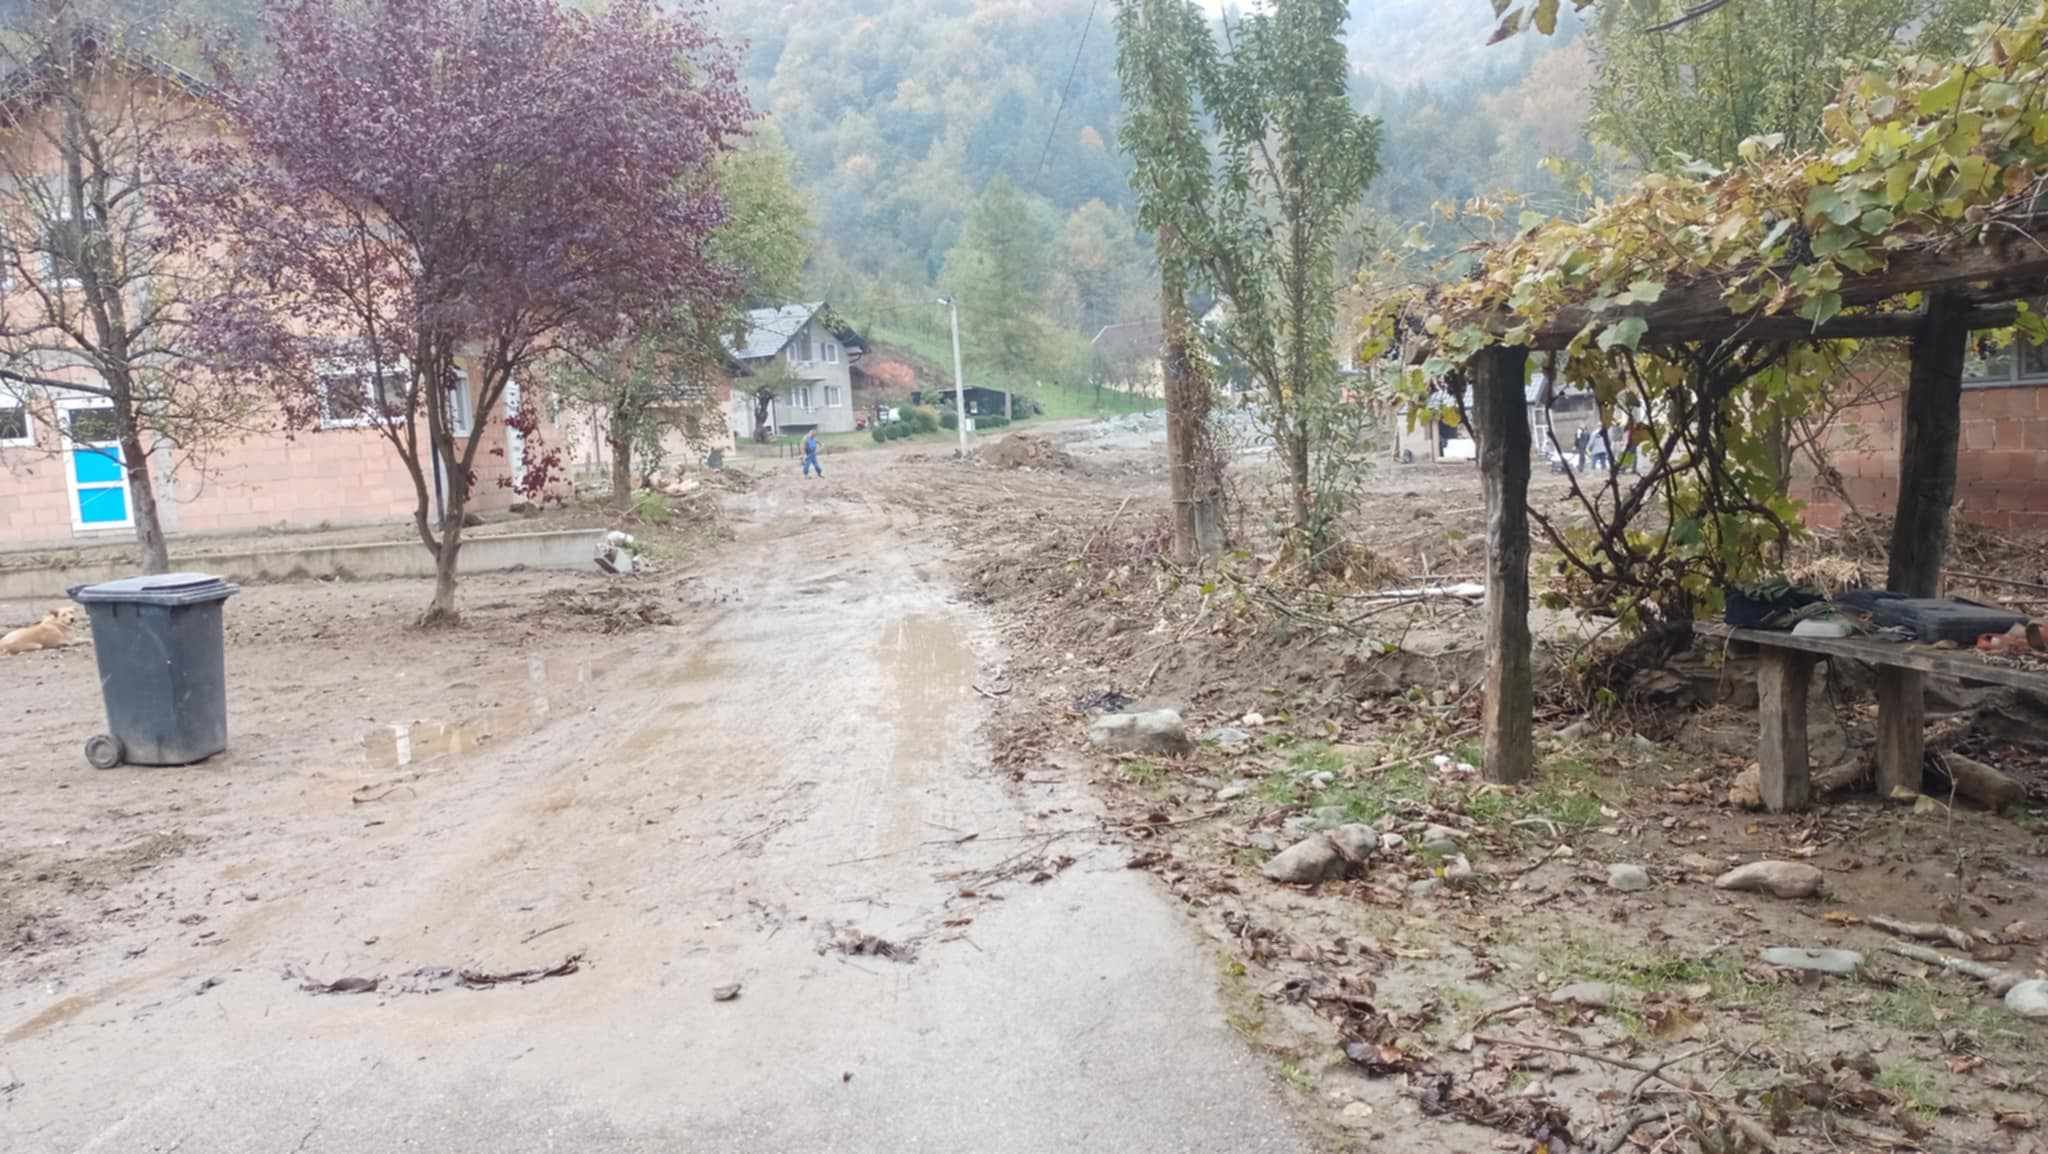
column 1297, row 466
column 622, row 473
column 1182, row 431
column 1501, row 422
column 442, row 610
column 149, row 529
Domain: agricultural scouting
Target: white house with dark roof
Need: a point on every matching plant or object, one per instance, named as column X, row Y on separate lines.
column 815, row 350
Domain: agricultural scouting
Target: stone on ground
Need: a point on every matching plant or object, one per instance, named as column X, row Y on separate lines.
column 1592, row 995
column 2029, row 999
column 1439, row 839
column 1784, row 879
column 1842, row 963
column 1233, row 791
column 1323, row 857
column 1155, row 731
column 1629, row 879
column 1227, row 737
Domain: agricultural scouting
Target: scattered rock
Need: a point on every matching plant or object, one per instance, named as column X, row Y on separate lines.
column 1628, row 879
column 1265, row 841
column 1842, row 963
column 1784, row 879
column 1439, row 839
column 1233, row 791
column 1358, row 840
column 1322, row 779
column 1323, row 856
column 2029, row 999
column 1576, row 730
column 1592, row 995
column 1458, row 870
column 1227, row 737
column 1747, row 790
column 1986, row 785
column 1424, row 888
column 1699, row 863
column 1357, row 1114
column 725, row 993
column 1156, row 731
column 1393, row 842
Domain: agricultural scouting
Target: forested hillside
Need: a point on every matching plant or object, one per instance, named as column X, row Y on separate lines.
column 902, row 115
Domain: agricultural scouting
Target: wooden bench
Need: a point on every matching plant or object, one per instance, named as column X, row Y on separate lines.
column 1785, row 668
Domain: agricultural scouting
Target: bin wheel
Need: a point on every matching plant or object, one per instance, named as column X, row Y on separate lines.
column 103, row 750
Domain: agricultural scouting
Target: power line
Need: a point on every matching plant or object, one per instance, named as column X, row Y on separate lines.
column 1066, row 91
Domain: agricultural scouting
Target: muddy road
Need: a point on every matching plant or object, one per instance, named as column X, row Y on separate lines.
column 786, row 791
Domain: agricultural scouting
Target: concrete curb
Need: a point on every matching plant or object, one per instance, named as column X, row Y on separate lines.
column 562, row 549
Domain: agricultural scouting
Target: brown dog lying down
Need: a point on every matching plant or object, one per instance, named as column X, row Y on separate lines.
column 52, row 632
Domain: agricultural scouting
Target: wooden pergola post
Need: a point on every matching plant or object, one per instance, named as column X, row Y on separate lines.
column 1928, row 435
column 1500, row 423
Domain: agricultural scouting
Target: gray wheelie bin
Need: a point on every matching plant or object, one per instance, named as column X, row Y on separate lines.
column 163, row 670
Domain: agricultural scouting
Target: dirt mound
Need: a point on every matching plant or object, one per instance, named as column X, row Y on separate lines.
column 1026, row 451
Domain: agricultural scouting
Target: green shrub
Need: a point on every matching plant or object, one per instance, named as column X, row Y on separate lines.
column 992, row 421
column 651, row 507
column 899, row 430
column 949, row 419
column 923, row 421
column 879, row 434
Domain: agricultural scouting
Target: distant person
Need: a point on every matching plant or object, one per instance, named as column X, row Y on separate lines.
column 811, row 464
column 1579, row 442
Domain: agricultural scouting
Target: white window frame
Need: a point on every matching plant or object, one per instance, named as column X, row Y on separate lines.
column 800, row 397
column 832, row 398
column 831, row 353
column 27, row 440
column 374, row 411
column 65, row 445
column 2016, row 375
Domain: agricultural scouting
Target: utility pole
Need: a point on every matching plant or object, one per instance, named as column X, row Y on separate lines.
column 959, row 386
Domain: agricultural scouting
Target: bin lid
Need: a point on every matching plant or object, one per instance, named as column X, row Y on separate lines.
column 157, row 589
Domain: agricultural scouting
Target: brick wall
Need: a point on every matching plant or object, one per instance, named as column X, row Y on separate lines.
column 2001, row 464
column 325, row 477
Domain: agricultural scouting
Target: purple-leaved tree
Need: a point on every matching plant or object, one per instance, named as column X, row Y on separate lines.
column 430, row 196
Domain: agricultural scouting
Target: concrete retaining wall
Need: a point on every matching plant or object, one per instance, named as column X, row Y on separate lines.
column 565, row 549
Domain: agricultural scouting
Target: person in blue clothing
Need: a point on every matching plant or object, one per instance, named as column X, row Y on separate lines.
column 811, row 464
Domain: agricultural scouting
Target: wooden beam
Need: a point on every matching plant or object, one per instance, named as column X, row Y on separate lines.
column 1928, row 433
column 1782, row 677
column 1501, row 426
column 1963, row 663
column 1861, row 327
column 1901, row 730
column 2009, row 259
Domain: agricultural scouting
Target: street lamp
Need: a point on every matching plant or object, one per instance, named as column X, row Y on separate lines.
column 959, row 387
